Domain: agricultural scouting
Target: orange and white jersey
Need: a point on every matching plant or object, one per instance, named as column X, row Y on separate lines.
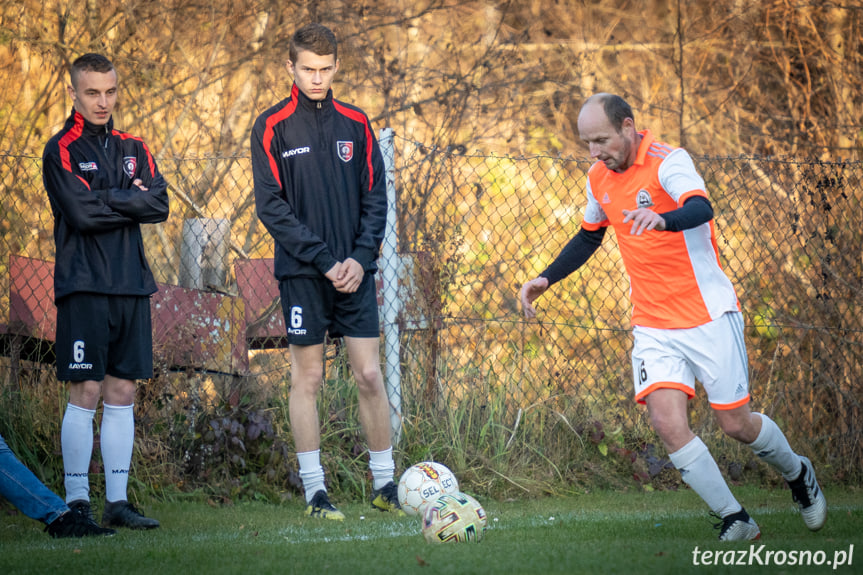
column 676, row 280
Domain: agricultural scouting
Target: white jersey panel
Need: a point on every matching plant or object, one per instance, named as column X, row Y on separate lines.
column 677, row 174
column 716, row 289
column 593, row 212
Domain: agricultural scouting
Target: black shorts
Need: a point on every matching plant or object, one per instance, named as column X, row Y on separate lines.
column 100, row 335
column 313, row 307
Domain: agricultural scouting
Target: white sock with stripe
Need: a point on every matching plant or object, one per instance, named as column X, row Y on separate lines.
column 76, row 443
column 311, row 473
column 772, row 447
column 699, row 470
column 117, row 439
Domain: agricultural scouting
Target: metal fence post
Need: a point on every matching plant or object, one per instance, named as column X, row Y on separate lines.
column 391, row 304
column 203, row 253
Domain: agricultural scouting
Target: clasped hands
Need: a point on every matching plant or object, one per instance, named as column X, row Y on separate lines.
column 346, row 276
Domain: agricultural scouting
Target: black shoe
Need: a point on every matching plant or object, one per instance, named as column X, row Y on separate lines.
column 124, row 514
column 82, row 507
column 387, row 499
column 321, row 507
column 74, row 524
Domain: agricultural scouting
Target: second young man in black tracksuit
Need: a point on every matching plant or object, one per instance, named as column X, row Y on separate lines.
column 320, row 192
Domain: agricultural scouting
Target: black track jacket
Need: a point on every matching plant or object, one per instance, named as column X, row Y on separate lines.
column 88, row 172
column 319, row 184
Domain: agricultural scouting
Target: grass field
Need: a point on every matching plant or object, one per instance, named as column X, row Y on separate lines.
column 599, row 532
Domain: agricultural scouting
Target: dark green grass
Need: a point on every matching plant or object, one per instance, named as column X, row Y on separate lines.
column 601, row 532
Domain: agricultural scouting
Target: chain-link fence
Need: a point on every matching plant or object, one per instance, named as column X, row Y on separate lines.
column 466, row 231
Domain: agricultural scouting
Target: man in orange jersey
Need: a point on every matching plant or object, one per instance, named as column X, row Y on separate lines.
column 686, row 318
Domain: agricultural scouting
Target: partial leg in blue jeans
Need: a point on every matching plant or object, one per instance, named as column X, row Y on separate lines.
column 25, row 491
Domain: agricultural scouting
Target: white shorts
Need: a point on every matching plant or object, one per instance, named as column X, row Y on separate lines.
column 713, row 353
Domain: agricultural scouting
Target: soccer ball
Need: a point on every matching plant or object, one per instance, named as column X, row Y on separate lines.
column 483, row 518
column 422, row 483
column 454, row 518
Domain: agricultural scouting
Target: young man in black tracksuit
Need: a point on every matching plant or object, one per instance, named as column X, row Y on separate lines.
column 320, row 192
column 102, row 184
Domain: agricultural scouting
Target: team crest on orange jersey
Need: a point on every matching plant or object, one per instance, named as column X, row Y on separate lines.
column 643, row 199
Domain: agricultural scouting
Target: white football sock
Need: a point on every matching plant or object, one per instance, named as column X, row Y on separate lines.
column 76, row 443
column 382, row 466
column 772, row 447
column 311, row 473
column 117, row 439
column 699, row 470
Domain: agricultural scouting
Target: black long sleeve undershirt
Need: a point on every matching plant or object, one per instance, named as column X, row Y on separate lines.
column 694, row 212
column 574, row 254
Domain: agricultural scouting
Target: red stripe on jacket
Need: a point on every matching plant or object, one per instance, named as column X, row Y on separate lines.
column 358, row 117
column 269, row 131
column 73, row 134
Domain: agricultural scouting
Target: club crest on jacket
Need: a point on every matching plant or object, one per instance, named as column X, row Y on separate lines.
column 346, row 150
column 130, row 164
